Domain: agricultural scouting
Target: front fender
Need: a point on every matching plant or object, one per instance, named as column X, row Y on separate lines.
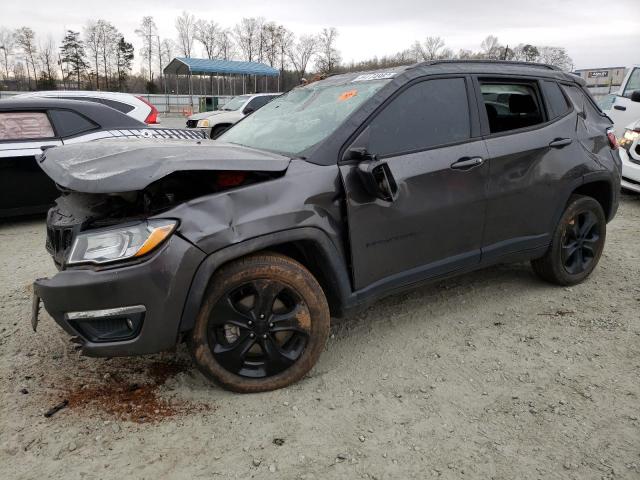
column 331, row 258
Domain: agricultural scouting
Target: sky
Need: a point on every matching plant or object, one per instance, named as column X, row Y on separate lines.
column 596, row 33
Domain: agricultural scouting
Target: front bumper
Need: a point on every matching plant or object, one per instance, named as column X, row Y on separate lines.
column 159, row 286
column 630, row 171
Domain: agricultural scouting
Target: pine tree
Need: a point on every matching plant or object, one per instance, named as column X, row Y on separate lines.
column 124, row 58
column 73, row 54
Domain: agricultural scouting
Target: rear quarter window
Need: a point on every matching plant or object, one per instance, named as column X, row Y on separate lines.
column 70, row 123
column 557, row 103
column 25, row 126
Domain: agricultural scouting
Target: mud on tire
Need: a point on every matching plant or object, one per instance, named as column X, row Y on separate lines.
column 262, row 326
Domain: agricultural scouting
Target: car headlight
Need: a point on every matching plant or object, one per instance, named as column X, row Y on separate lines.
column 203, row 123
column 108, row 245
column 628, row 138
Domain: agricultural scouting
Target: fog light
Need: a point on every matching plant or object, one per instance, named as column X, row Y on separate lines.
column 108, row 325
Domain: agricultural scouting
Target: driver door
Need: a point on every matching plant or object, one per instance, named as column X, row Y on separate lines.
column 428, row 138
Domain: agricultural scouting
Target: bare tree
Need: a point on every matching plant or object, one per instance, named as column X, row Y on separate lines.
column 432, row 48
column 109, row 38
column 7, row 45
column 25, row 39
column 225, row 45
column 286, row 40
column 302, row 52
column 556, row 56
column 92, row 41
column 491, row 48
column 186, row 26
column 47, row 55
column 148, row 32
column 208, row 34
column 247, row 36
column 328, row 55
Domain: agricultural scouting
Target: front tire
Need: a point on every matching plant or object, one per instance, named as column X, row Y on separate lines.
column 577, row 243
column 262, row 326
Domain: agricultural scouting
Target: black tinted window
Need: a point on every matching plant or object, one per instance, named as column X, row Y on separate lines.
column 70, row 123
column 121, row 107
column 511, row 106
column 430, row 113
column 556, row 101
column 258, row 102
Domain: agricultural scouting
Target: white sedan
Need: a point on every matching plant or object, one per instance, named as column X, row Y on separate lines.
column 134, row 106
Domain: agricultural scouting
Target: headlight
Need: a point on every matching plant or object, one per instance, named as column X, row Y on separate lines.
column 108, row 245
column 203, row 123
column 628, row 138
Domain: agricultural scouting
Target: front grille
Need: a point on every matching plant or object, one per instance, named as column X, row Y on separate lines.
column 192, row 123
column 59, row 239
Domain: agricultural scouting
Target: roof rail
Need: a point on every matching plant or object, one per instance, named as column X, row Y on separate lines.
column 492, row 62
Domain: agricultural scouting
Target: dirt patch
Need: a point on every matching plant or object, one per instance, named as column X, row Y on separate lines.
column 138, row 402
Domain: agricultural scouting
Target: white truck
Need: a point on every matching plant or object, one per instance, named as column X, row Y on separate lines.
column 624, row 110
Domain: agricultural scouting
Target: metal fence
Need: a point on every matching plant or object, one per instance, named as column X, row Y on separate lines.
column 180, row 104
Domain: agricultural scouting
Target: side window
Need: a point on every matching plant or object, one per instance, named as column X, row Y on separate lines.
column 257, row 102
column 556, row 101
column 633, row 84
column 121, row 107
column 583, row 104
column 25, row 126
column 576, row 96
column 70, row 123
column 511, row 106
column 425, row 115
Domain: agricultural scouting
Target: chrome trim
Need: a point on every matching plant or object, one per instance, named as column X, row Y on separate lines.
column 108, row 312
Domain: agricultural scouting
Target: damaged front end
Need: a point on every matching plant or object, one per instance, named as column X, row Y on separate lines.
column 125, row 267
column 112, row 183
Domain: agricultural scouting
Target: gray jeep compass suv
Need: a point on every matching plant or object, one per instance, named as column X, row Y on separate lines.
column 326, row 199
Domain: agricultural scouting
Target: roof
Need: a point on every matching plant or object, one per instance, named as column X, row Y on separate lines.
column 180, row 65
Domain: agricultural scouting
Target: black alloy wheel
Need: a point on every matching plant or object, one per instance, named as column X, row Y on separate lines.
column 576, row 245
column 263, row 324
column 581, row 242
column 254, row 330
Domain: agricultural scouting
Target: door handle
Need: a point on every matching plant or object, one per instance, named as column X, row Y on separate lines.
column 560, row 142
column 620, row 107
column 467, row 163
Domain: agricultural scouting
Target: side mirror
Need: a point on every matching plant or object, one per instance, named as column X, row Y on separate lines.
column 359, row 154
column 248, row 110
column 377, row 179
column 635, row 96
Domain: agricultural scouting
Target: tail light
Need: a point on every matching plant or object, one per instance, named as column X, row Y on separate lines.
column 230, row 179
column 613, row 141
column 152, row 118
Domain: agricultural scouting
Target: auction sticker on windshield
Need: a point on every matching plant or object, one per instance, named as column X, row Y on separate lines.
column 374, row 76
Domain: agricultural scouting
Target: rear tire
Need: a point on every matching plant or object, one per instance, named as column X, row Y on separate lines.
column 577, row 243
column 263, row 324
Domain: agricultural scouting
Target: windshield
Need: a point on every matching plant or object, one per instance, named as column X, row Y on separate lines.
column 235, row 103
column 302, row 118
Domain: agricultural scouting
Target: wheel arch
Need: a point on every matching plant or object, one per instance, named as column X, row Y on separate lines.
column 308, row 245
column 601, row 189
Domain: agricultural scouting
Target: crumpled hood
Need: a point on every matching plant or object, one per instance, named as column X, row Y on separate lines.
column 117, row 166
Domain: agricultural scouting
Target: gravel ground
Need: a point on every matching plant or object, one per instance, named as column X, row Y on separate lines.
column 489, row 375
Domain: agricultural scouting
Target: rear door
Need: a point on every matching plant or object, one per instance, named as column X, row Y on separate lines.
column 530, row 130
column 24, row 187
column 428, row 135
